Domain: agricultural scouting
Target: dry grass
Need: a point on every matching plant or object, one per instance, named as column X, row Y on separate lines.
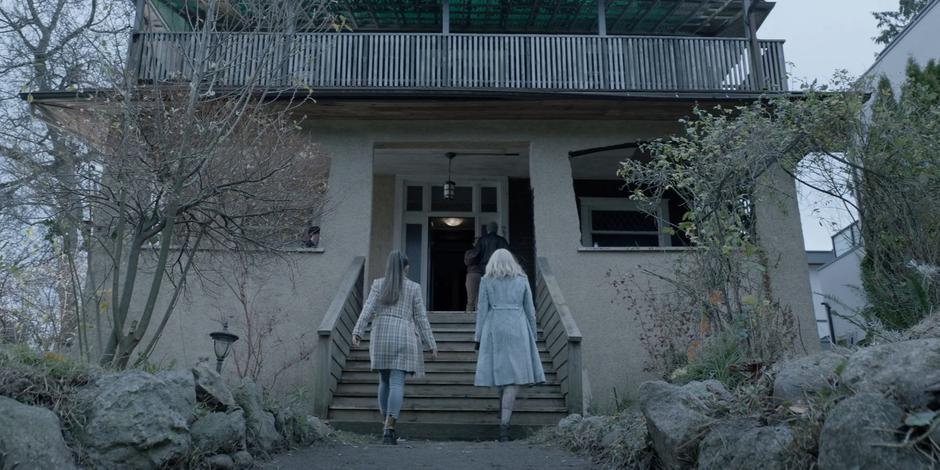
column 622, row 441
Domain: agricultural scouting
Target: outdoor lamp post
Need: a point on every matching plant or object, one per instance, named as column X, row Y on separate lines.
column 222, row 343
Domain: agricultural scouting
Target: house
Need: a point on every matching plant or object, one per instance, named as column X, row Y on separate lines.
column 837, row 283
column 528, row 107
column 838, row 295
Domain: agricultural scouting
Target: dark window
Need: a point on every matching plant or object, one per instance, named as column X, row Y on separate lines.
column 488, row 199
column 413, row 244
column 623, row 239
column 622, row 221
column 414, row 199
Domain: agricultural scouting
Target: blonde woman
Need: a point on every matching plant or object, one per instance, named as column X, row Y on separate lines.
column 506, row 334
column 395, row 308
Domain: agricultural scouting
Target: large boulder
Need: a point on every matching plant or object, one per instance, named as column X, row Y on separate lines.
column 677, row 417
column 31, row 438
column 219, row 432
column 908, row 371
column 211, row 389
column 137, row 420
column 929, row 327
column 261, row 427
column 858, row 435
column 807, row 375
column 744, row 444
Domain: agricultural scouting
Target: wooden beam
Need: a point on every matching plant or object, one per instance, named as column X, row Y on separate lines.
column 445, row 16
column 694, row 13
column 757, row 65
column 645, row 15
column 712, row 16
column 665, row 17
column 602, row 17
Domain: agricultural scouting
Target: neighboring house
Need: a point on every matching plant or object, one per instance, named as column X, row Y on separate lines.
column 919, row 41
column 532, row 112
column 837, row 284
column 836, row 280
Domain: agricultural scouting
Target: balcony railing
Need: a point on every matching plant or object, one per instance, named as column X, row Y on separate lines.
column 467, row 62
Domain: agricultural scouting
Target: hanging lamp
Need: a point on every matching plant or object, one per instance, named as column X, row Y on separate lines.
column 450, row 187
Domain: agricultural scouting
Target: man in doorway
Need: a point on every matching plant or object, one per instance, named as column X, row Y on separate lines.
column 476, row 259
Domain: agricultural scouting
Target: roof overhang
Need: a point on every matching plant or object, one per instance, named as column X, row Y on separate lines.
column 622, row 17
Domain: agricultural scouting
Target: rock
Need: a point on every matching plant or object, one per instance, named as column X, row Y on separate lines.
column 260, row 424
column 855, row 432
column 569, row 422
column 676, row 417
column 593, row 427
column 908, row 371
column 31, row 438
column 243, row 459
column 807, row 375
column 211, row 389
column 135, row 419
column 744, row 444
column 929, row 327
column 220, row 462
column 219, row 432
column 301, row 429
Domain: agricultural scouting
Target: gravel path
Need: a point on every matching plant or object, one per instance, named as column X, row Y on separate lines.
column 429, row 455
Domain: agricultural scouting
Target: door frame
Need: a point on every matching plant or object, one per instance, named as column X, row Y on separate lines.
column 402, row 218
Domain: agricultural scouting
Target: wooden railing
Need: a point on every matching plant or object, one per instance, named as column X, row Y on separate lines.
column 336, row 334
column 465, row 61
column 561, row 335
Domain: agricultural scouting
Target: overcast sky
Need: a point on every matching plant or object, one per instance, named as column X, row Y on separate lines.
column 823, row 36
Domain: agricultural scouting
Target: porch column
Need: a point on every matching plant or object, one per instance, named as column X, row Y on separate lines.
column 557, row 228
column 781, row 237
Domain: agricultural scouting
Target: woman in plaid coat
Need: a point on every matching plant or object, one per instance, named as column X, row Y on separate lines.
column 395, row 308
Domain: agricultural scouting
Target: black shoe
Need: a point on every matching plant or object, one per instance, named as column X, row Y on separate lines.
column 390, row 437
column 503, row 433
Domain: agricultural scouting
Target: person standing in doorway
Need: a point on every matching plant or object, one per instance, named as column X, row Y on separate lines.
column 395, row 307
column 471, row 259
column 491, row 242
column 506, row 334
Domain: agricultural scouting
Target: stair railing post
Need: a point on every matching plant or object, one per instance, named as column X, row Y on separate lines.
column 323, row 396
column 575, row 399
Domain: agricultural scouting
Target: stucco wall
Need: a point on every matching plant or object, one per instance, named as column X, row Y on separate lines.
column 920, row 42
column 383, row 219
column 614, row 357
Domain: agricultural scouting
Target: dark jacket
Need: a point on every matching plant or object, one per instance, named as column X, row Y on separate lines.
column 488, row 245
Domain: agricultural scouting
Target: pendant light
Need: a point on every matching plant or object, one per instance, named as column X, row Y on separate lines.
column 450, row 187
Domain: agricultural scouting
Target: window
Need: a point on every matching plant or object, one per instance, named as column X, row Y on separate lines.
column 619, row 222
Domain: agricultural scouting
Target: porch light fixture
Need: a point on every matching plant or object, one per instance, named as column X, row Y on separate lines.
column 453, row 221
column 222, row 343
column 450, row 187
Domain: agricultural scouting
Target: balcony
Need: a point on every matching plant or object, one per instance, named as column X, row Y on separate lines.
column 467, row 62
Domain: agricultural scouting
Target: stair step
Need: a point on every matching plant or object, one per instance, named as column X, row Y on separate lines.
column 432, row 378
column 456, row 343
column 431, row 366
column 447, row 390
column 432, row 417
column 441, row 431
column 441, row 404
column 445, row 356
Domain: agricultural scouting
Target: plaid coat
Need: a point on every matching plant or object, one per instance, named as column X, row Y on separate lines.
column 396, row 329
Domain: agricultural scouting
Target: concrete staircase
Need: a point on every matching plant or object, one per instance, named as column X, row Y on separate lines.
column 444, row 404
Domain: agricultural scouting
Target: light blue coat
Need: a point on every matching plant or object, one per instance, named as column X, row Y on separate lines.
column 506, row 331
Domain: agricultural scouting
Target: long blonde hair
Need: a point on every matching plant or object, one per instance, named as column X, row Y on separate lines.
column 503, row 264
column 394, row 278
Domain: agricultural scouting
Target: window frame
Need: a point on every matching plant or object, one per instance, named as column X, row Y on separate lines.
column 591, row 204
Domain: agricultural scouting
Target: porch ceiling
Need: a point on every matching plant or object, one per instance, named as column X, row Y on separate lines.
column 472, row 160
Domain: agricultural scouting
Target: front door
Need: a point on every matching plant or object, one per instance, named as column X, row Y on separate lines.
column 434, row 232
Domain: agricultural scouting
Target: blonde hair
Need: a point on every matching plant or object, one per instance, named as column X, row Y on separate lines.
column 503, row 264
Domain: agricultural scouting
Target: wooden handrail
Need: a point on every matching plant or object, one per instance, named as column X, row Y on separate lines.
column 335, row 334
column 562, row 335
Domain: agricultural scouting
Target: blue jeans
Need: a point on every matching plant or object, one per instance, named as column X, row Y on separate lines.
column 391, row 391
